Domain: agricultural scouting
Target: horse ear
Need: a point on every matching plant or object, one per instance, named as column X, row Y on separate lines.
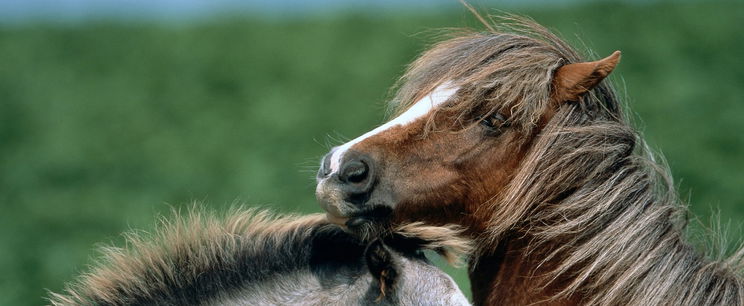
column 382, row 266
column 573, row 80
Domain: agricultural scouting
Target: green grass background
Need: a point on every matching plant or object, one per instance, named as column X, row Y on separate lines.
column 105, row 125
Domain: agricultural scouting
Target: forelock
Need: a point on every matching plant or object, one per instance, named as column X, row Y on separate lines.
column 508, row 69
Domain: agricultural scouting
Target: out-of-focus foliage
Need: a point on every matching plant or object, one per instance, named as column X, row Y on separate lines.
column 103, row 126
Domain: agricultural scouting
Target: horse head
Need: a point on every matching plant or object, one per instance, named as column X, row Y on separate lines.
column 469, row 112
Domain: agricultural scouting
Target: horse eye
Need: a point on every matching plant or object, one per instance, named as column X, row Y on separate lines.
column 495, row 122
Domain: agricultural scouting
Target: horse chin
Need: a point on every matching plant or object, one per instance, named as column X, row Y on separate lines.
column 335, row 213
column 330, row 200
column 337, row 219
column 372, row 215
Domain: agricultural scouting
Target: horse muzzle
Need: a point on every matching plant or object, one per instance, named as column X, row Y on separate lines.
column 344, row 194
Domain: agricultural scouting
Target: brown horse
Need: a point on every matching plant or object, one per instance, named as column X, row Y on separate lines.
column 251, row 258
column 511, row 135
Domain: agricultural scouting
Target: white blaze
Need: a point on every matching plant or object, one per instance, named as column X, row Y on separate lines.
column 419, row 109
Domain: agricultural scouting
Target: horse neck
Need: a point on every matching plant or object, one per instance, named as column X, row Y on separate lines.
column 300, row 273
column 507, row 275
column 298, row 288
column 515, row 272
column 592, row 221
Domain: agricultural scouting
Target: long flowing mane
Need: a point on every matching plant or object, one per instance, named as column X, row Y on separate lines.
column 207, row 257
column 589, row 190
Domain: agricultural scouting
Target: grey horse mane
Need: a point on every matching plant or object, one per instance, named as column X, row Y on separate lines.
column 205, row 255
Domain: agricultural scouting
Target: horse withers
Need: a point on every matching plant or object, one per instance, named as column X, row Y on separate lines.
column 252, row 258
column 510, row 134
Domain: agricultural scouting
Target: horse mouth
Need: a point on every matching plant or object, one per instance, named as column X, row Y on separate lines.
column 345, row 213
column 336, row 209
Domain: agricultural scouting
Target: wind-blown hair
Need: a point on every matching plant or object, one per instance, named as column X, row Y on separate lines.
column 206, row 258
column 508, row 70
column 588, row 190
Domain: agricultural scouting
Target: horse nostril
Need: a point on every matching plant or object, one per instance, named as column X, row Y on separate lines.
column 356, row 177
column 325, row 165
column 354, row 171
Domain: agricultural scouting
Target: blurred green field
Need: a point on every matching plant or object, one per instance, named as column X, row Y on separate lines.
column 105, row 125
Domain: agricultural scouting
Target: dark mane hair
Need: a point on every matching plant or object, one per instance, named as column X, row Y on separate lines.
column 588, row 181
column 204, row 256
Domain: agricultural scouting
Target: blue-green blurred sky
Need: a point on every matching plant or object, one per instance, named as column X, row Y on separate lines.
column 76, row 10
